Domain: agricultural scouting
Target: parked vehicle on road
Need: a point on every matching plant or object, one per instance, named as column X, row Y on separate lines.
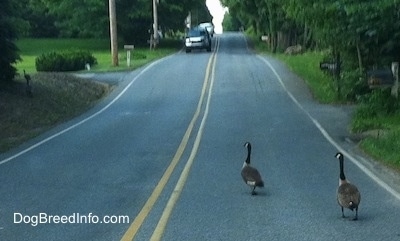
column 197, row 38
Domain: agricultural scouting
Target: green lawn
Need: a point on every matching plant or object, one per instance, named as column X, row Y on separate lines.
column 307, row 66
column 100, row 48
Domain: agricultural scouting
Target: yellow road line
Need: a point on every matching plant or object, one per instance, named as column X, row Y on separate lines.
column 160, row 228
column 138, row 221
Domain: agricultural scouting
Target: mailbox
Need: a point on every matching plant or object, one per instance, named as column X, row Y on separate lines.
column 330, row 66
column 128, row 49
column 380, row 78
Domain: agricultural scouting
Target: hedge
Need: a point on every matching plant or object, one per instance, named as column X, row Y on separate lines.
column 71, row 60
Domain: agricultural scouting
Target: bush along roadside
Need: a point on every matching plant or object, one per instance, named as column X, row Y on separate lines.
column 376, row 120
column 373, row 109
column 71, row 60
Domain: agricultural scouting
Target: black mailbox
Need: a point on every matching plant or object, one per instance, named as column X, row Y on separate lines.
column 329, row 66
column 380, row 78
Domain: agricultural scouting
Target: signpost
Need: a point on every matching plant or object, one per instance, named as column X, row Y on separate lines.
column 395, row 71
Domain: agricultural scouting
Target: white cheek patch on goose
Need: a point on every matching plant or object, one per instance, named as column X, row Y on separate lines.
column 251, row 183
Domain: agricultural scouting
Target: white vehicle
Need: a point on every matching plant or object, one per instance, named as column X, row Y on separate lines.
column 209, row 27
column 198, row 38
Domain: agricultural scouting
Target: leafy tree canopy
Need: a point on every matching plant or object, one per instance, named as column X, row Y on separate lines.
column 8, row 50
column 367, row 30
column 89, row 18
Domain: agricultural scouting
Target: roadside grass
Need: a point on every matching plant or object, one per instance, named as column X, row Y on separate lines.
column 100, row 48
column 307, row 67
column 381, row 134
column 58, row 97
column 139, row 58
column 385, row 149
column 382, row 137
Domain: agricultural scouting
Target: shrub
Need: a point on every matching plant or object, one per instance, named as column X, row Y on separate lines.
column 353, row 85
column 64, row 61
column 379, row 103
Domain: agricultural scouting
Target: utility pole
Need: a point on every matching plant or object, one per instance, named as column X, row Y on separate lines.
column 113, row 33
column 155, row 24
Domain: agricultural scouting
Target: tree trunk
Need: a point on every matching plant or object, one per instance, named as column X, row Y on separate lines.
column 113, row 33
column 337, row 72
column 272, row 29
column 360, row 64
column 305, row 35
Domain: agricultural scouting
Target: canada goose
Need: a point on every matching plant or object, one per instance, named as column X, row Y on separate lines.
column 348, row 195
column 250, row 175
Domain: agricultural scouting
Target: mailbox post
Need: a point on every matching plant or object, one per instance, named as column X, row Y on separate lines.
column 395, row 87
column 128, row 49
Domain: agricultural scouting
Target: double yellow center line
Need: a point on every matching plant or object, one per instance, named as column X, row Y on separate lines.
column 159, row 230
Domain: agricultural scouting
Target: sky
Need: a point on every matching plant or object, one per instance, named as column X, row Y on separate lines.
column 218, row 12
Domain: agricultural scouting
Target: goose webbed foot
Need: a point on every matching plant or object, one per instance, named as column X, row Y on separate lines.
column 253, row 192
column 356, row 217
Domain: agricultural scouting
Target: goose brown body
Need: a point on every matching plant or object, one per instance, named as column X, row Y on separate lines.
column 251, row 175
column 348, row 195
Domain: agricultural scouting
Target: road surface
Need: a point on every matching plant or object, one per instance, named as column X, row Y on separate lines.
column 160, row 159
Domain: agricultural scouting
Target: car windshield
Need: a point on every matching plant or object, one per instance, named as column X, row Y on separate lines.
column 196, row 33
column 207, row 25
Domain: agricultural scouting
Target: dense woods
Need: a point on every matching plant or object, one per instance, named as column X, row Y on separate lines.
column 365, row 34
column 367, row 30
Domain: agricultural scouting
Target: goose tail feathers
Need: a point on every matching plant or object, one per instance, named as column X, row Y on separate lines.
column 352, row 205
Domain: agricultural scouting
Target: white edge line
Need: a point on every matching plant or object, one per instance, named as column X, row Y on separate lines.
column 330, row 139
column 86, row 119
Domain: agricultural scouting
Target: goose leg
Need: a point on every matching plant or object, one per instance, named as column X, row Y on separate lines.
column 356, row 217
column 343, row 213
column 253, row 192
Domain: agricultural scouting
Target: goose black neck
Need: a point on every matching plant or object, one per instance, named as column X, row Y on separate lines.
column 342, row 177
column 248, row 153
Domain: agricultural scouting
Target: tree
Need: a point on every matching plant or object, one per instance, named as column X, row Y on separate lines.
column 231, row 23
column 77, row 18
column 8, row 50
column 266, row 17
column 33, row 19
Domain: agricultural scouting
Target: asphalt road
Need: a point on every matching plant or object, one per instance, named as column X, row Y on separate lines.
column 165, row 150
